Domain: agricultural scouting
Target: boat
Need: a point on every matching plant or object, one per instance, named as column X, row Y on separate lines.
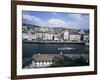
column 65, row 48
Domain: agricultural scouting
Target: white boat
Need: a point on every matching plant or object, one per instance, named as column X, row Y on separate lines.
column 65, row 48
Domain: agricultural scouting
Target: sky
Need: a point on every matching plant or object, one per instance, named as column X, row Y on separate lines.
column 56, row 19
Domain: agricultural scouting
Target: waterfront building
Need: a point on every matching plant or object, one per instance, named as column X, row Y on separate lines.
column 39, row 35
column 32, row 32
column 25, row 36
column 56, row 37
column 47, row 36
column 44, row 36
column 33, row 36
column 74, row 36
column 42, row 60
column 66, row 35
column 45, row 60
column 86, row 37
column 29, row 35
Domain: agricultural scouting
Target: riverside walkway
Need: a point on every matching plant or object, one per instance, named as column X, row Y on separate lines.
column 73, row 42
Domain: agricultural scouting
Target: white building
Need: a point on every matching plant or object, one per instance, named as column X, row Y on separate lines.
column 86, row 37
column 56, row 37
column 44, row 36
column 66, row 35
column 42, row 60
column 47, row 36
column 33, row 36
column 25, row 36
column 45, row 60
column 74, row 36
column 38, row 36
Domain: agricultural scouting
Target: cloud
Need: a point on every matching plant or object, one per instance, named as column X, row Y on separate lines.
column 33, row 19
column 79, row 21
column 71, row 21
column 56, row 23
column 30, row 18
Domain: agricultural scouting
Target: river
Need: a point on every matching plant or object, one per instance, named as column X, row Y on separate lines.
column 47, row 48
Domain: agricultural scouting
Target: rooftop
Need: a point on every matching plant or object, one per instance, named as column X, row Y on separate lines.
column 45, row 57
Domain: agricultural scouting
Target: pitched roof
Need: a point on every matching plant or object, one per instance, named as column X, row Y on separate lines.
column 45, row 57
column 42, row 57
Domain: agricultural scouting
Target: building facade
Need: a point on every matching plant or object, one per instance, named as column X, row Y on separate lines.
column 66, row 35
column 74, row 36
column 39, row 60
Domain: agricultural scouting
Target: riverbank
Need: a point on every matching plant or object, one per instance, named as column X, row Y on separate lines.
column 62, row 42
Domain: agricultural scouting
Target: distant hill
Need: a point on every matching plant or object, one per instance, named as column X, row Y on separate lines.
column 31, row 26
